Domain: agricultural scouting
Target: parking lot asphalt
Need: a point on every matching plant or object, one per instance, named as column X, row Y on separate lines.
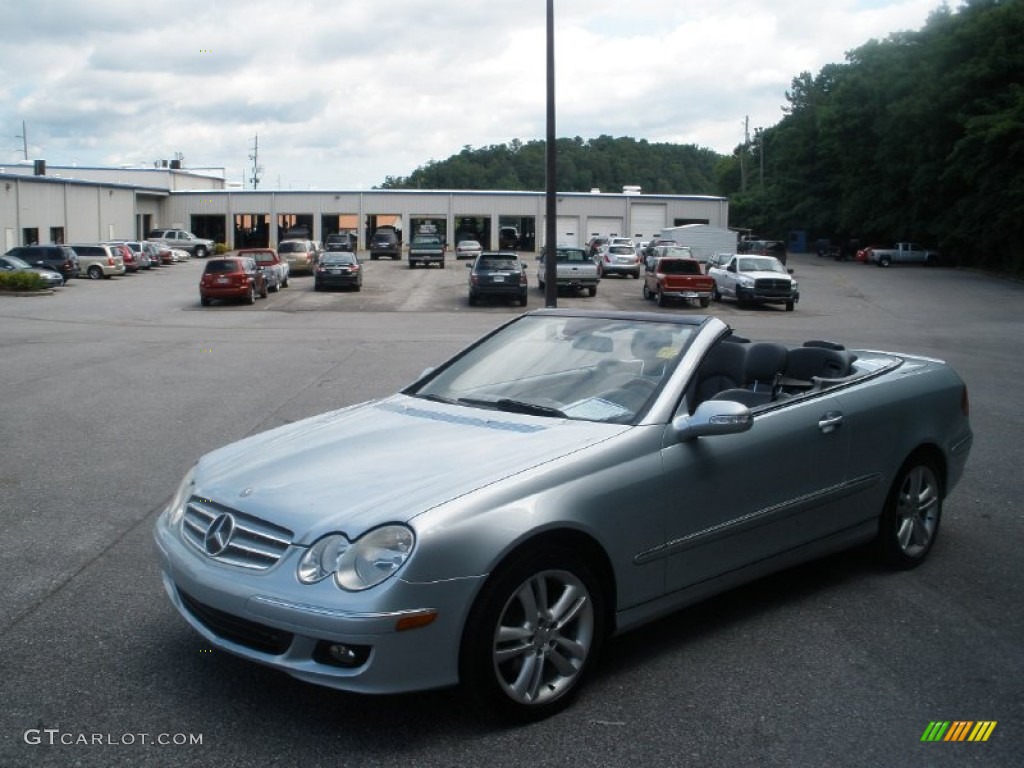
column 111, row 389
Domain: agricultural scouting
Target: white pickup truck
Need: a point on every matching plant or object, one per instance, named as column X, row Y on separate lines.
column 901, row 253
column 576, row 270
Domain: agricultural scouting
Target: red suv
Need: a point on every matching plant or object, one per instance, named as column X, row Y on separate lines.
column 232, row 277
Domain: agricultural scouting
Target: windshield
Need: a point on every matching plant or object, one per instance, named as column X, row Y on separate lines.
column 587, row 368
column 17, row 263
column 761, row 264
column 679, row 267
column 571, row 254
column 338, row 258
column 498, row 263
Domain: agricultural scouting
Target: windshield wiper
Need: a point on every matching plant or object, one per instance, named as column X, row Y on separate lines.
column 437, row 399
column 515, row 406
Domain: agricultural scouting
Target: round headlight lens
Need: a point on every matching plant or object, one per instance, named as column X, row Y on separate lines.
column 323, row 558
column 176, row 507
column 375, row 557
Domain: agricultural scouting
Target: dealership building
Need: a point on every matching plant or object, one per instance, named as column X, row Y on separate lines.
column 83, row 205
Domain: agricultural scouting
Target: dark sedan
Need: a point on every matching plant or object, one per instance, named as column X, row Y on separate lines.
column 499, row 274
column 52, row 278
column 338, row 269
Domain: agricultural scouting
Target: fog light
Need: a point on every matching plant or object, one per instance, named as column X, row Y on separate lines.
column 344, row 655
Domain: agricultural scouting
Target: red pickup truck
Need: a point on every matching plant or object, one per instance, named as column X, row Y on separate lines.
column 668, row 278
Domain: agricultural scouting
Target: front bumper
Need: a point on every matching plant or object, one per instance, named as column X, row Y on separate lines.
column 752, row 295
column 270, row 618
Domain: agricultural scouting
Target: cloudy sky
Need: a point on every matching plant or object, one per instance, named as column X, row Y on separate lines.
column 343, row 93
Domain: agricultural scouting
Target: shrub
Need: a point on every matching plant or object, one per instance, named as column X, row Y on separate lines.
column 21, row 281
column 220, row 249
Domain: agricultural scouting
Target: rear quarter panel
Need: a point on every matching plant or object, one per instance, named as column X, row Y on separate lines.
column 892, row 415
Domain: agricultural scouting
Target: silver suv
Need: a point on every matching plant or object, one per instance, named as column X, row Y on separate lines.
column 185, row 241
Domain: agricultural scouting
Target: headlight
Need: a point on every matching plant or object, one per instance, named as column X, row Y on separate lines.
column 747, row 282
column 794, row 285
column 361, row 564
column 176, row 508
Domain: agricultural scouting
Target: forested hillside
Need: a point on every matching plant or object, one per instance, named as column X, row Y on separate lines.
column 605, row 163
column 919, row 136
column 916, row 137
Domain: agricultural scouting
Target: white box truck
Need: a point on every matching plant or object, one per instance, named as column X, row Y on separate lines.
column 703, row 240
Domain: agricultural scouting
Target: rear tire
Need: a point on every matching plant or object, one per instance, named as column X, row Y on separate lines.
column 592, row 291
column 910, row 520
column 95, row 272
column 533, row 634
column 646, row 291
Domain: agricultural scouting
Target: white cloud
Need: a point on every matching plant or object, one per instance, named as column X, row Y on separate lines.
column 345, row 93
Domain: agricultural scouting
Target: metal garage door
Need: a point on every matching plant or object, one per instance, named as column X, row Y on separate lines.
column 568, row 231
column 646, row 220
column 604, row 225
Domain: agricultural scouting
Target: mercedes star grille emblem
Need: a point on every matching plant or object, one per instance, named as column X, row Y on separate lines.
column 218, row 535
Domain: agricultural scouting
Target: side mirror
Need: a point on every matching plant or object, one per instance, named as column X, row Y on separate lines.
column 713, row 417
column 791, row 271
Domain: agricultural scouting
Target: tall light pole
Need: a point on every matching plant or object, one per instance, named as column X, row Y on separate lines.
column 24, row 139
column 551, row 199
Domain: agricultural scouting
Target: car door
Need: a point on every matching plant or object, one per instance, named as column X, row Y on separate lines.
column 738, row 499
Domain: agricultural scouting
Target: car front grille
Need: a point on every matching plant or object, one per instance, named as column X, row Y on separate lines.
column 233, row 537
column 773, row 287
column 251, row 634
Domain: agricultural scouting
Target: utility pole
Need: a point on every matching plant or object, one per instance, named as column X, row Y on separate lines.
column 257, row 169
column 743, row 153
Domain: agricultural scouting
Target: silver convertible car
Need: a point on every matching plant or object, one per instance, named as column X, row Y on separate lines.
column 570, row 476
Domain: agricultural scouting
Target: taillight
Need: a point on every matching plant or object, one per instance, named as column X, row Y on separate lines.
column 110, row 261
column 522, row 278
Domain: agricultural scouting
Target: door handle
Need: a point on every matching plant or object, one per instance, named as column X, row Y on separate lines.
column 830, row 422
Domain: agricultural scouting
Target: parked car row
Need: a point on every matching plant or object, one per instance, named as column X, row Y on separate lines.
column 96, row 261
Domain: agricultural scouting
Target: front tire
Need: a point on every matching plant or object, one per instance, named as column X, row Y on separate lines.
column 533, row 634
column 913, row 510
